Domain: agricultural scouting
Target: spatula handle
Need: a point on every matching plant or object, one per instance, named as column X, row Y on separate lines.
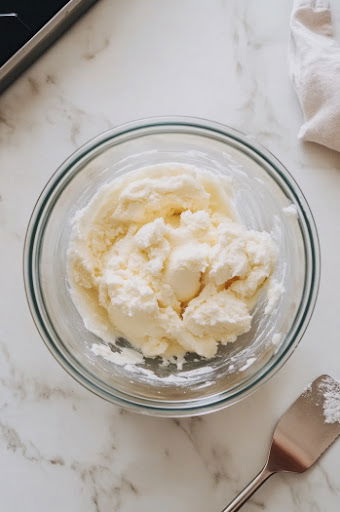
column 248, row 491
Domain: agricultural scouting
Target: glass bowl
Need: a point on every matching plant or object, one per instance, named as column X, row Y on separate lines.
column 266, row 198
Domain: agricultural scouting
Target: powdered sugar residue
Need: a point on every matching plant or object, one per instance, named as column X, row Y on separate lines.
column 248, row 363
column 126, row 356
column 308, row 389
column 330, row 389
column 276, row 340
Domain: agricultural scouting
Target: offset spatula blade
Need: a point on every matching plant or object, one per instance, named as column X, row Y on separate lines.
column 301, row 436
column 305, row 431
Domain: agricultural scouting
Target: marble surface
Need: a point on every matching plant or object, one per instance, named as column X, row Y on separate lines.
column 61, row 448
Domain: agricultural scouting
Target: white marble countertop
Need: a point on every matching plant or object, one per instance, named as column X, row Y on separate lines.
column 61, row 448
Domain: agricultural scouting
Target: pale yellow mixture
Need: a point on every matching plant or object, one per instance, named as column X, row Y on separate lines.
column 159, row 257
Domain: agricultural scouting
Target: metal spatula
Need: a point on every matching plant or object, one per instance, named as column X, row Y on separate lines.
column 300, row 437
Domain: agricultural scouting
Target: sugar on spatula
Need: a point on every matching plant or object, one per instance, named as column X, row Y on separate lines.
column 302, row 434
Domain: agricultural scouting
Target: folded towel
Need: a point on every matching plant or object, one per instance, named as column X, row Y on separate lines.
column 314, row 58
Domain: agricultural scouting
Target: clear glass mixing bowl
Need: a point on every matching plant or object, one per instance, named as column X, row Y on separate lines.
column 264, row 190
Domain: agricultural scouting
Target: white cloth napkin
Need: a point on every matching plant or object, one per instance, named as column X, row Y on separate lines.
column 314, row 58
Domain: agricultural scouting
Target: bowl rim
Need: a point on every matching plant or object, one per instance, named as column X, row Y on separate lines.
column 177, row 407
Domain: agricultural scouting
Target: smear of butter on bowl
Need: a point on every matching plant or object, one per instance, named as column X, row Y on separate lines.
column 290, row 210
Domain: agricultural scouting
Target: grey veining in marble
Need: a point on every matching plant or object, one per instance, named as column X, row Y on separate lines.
column 62, row 449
